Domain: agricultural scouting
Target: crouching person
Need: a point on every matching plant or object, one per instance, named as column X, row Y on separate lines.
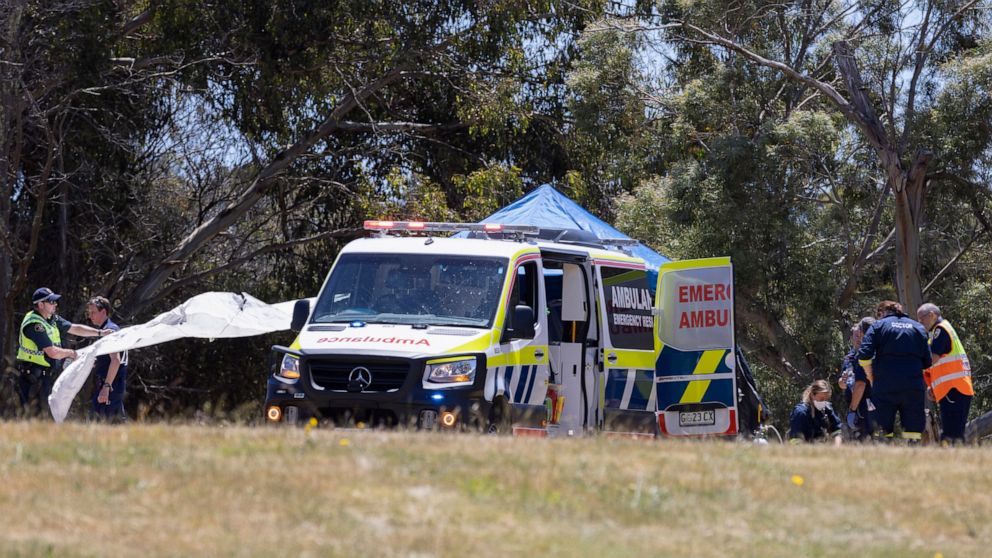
column 814, row 419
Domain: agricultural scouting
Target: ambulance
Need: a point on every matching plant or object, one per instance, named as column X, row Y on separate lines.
column 511, row 329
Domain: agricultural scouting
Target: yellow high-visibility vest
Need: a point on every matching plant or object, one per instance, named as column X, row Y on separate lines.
column 28, row 350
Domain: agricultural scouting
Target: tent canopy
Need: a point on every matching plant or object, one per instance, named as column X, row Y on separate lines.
column 548, row 208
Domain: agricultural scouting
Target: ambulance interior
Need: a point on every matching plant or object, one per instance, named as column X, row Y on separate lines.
column 572, row 387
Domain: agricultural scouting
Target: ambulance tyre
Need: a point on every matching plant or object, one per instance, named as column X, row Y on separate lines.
column 500, row 421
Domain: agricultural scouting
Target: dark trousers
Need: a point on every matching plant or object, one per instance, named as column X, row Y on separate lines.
column 33, row 387
column 954, row 409
column 113, row 410
column 867, row 425
column 908, row 403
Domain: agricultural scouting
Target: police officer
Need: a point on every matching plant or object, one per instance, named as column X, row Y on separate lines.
column 949, row 379
column 40, row 353
column 899, row 347
column 814, row 419
column 859, row 407
column 109, row 371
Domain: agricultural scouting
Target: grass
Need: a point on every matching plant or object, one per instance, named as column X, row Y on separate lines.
column 166, row 490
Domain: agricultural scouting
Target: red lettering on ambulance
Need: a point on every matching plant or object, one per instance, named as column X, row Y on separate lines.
column 704, row 318
column 704, row 293
column 369, row 339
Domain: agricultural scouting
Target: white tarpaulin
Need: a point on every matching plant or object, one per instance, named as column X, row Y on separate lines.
column 209, row 315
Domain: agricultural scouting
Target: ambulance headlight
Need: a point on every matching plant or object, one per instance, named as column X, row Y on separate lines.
column 289, row 369
column 461, row 371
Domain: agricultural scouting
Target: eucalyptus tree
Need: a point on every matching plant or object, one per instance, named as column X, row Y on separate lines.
column 827, row 125
column 880, row 66
column 70, row 113
column 354, row 91
column 235, row 144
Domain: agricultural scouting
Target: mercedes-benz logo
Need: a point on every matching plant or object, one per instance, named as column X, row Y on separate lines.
column 361, row 377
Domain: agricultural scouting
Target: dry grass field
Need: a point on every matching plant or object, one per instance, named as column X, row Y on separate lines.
column 166, row 490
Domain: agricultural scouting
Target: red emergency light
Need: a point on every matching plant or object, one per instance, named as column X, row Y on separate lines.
column 379, row 225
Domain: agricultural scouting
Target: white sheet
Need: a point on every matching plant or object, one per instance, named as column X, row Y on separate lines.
column 209, row 315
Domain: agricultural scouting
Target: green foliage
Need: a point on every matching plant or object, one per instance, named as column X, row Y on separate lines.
column 160, row 130
column 609, row 137
column 486, row 190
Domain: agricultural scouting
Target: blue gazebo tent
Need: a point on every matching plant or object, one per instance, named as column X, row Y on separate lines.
column 549, row 208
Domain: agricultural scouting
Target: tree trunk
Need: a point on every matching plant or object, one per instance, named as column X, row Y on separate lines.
column 908, row 190
column 63, row 282
column 779, row 350
column 9, row 146
column 907, row 187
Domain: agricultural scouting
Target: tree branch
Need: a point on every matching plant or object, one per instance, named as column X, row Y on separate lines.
column 262, row 182
column 138, row 21
column 961, row 252
column 349, row 233
column 350, row 126
column 781, row 351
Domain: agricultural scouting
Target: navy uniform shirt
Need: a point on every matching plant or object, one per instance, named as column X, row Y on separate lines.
column 899, row 349
column 36, row 333
column 811, row 425
column 102, row 366
column 850, row 360
column 858, row 375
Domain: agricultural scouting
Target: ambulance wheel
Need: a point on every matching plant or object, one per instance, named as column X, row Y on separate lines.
column 500, row 419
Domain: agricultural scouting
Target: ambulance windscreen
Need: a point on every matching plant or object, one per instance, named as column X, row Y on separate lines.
column 413, row 289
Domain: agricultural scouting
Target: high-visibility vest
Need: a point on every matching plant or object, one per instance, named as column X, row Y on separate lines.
column 951, row 371
column 28, row 350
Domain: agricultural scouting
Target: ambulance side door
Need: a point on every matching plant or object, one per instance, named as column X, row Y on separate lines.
column 627, row 382
column 522, row 362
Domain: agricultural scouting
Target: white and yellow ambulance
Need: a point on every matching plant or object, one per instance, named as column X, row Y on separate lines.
column 511, row 329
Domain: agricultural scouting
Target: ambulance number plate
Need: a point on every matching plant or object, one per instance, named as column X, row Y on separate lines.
column 697, row 418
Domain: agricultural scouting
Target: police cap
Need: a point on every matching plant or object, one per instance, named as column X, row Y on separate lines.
column 44, row 294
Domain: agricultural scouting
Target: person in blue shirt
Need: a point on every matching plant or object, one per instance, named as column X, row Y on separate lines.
column 109, row 371
column 857, row 391
column 814, row 419
column 894, row 353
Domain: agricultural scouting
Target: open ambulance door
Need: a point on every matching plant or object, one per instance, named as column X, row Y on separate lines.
column 570, row 398
column 696, row 366
column 627, row 380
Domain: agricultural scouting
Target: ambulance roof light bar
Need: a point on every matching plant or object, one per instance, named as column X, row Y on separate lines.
column 384, row 227
column 622, row 242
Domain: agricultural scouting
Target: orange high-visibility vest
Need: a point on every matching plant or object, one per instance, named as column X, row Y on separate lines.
column 951, row 371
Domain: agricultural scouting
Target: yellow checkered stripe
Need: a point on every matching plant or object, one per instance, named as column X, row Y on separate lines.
column 708, row 363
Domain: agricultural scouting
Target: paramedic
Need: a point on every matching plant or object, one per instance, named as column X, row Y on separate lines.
column 814, row 419
column 859, row 414
column 894, row 353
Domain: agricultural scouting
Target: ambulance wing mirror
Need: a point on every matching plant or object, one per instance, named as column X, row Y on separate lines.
column 523, row 323
column 301, row 311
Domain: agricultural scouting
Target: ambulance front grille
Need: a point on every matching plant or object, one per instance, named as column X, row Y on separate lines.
column 336, row 375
